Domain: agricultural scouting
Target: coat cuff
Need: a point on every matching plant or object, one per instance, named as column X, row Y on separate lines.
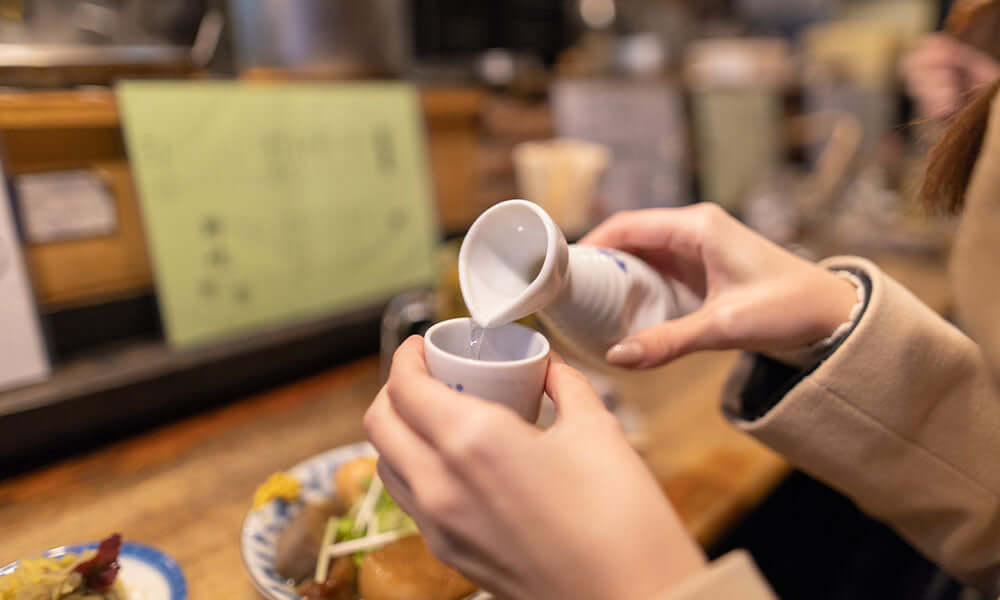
column 761, row 381
column 901, row 418
column 732, row 576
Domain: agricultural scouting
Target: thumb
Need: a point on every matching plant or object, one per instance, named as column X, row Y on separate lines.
column 660, row 344
column 571, row 391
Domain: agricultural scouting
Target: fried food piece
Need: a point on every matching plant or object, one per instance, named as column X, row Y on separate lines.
column 298, row 545
column 352, row 479
column 340, row 584
column 406, row 570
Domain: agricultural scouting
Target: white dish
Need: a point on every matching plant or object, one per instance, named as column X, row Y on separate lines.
column 147, row 573
column 262, row 526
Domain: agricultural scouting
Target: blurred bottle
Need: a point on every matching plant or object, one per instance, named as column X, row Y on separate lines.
column 786, row 17
column 737, row 87
column 850, row 68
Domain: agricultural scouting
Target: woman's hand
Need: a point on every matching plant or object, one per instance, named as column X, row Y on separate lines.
column 941, row 70
column 757, row 296
column 569, row 512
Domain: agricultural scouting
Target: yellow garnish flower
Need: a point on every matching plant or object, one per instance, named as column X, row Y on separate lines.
column 278, row 485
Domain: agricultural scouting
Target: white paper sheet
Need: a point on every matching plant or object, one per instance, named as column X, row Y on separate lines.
column 23, row 358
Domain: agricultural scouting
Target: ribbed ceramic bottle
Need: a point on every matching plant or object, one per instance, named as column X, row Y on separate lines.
column 515, row 261
column 607, row 296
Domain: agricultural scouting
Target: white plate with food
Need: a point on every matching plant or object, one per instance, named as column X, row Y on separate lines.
column 326, row 530
column 109, row 570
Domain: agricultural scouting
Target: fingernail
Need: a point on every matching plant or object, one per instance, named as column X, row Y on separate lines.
column 625, row 354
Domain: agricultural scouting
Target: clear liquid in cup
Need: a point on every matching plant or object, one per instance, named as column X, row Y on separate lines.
column 476, row 337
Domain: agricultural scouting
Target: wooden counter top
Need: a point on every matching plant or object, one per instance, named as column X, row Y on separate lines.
column 185, row 488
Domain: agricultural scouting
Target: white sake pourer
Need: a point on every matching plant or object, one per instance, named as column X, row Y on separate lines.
column 593, row 297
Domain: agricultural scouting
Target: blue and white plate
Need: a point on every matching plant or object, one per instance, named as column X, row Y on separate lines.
column 147, row 573
column 262, row 526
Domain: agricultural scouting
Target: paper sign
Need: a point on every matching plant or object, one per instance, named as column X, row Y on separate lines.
column 265, row 205
column 65, row 205
column 23, row 358
column 643, row 125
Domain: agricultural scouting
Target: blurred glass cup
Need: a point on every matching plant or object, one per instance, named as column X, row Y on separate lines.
column 562, row 176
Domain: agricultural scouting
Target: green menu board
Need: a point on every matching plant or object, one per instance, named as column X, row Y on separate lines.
column 268, row 205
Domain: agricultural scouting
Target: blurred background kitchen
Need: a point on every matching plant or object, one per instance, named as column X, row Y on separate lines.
column 129, row 209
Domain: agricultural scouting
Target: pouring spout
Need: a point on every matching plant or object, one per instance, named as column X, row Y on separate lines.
column 513, row 262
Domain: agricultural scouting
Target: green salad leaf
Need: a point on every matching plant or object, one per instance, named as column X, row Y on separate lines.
column 388, row 517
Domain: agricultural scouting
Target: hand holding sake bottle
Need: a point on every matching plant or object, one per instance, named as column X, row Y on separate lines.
column 754, row 294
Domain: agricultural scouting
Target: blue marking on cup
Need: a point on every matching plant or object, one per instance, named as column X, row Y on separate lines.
column 614, row 257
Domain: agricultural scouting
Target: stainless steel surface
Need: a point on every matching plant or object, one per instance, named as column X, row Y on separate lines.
column 112, row 22
column 22, row 55
column 349, row 36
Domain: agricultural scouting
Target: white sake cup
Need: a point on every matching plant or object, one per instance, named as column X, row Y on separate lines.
column 510, row 371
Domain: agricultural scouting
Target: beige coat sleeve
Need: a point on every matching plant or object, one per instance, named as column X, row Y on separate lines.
column 904, row 419
column 975, row 264
column 733, row 576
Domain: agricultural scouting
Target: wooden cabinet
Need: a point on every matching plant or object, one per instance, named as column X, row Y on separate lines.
column 54, row 131
column 453, row 118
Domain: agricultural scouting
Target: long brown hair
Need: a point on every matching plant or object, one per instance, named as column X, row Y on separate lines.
column 951, row 160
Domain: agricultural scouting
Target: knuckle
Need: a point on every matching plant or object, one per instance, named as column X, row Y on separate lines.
column 701, row 220
column 439, row 502
column 619, row 224
column 565, row 370
column 399, row 351
column 618, row 219
column 607, row 424
column 727, row 320
column 710, row 215
column 370, row 420
column 471, row 443
column 405, row 347
column 394, row 387
column 662, row 345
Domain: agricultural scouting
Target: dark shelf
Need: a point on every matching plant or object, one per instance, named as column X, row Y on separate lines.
column 106, row 394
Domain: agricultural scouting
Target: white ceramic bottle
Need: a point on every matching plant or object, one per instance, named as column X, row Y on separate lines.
column 515, row 262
